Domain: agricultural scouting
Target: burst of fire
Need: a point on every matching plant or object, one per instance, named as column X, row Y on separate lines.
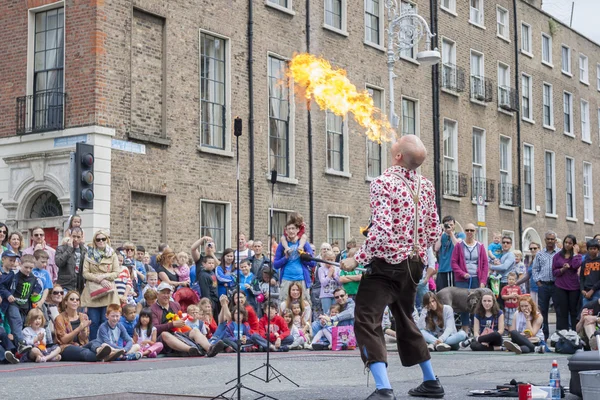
column 332, row 90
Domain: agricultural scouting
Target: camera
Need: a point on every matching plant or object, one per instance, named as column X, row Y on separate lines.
column 210, row 245
column 446, row 226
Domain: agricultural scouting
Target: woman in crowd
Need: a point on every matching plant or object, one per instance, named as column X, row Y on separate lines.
column 526, row 330
column 224, row 272
column 15, row 243
column 165, row 269
column 100, row 269
column 73, row 331
column 51, row 309
column 565, row 268
column 437, row 325
column 488, row 326
column 3, row 237
column 295, row 295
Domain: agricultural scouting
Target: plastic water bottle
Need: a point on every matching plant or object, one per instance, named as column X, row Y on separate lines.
column 555, row 381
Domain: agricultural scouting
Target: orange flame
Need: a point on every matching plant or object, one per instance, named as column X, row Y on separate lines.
column 332, row 90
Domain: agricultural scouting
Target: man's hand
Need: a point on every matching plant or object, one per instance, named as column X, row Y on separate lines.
column 539, row 283
column 349, row 264
column 179, row 323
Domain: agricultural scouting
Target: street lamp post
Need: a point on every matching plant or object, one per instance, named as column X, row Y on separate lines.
column 405, row 30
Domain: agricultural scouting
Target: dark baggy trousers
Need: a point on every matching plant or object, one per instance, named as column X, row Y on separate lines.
column 394, row 285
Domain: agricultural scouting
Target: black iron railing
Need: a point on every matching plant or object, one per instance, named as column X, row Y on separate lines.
column 507, row 98
column 40, row 112
column 483, row 187
column 455, row 183
column 481, row 89
column 509, row 195
column 453, row 77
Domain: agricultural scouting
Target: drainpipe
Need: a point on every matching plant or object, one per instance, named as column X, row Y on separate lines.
column 435, row 95
column 251, row 117
column 517, row 83
column 311, row 194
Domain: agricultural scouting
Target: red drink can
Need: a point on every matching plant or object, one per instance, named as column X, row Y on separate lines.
column 525, row 391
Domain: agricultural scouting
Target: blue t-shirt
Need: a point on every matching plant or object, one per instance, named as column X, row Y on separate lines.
column 445, row 253
column 495, row 249
column 44, row 277
column 293, row 268
column 488, row 322
column 193, row 273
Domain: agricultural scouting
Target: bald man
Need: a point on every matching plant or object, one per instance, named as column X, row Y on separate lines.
column 404, row 224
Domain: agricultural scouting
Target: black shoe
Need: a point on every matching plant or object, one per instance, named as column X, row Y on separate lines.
column 429, row 389
column 216, row 349
column 10, row 357
column 23, row 348
column 283, row 349
column 382, row 394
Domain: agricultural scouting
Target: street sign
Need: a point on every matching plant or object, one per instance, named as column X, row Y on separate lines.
column 480, row 211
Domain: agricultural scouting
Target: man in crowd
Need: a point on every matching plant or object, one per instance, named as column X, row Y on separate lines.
column 504, row 265
column 245, row 252
column 444, row 247
column 209, row 250
column 258, row 262
column 543, row 277
column 343, row 318
column 69, row 261
column 39, row 243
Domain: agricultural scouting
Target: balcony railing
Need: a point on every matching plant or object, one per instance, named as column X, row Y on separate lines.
column 455, row 184
column 453, row 77
column 507, row 98
column 40, row 112
column 510, row 195
column 483, row 187
column 481, row 89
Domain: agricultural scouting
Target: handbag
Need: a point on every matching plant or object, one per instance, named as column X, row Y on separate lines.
column 343, row 338
column 98, row 291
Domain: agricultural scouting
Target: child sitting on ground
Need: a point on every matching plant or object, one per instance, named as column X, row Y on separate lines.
column 150, row 298
column 298, row 220
column 144, row 334
column 34, row 335
column 230, row 336
column 129, row 318
column 194, row 320
column 112, row 333
column 183, row 268
column 279, row 335
column 323, row 338
column 295, row 333
column 298, row 317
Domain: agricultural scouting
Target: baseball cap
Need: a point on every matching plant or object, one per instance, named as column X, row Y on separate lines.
column 163, row 286
column 10, row 253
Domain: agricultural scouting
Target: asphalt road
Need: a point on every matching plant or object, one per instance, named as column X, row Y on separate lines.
column 321, row 375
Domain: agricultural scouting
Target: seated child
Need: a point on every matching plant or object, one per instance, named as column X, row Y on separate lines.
column 194, row 320
column 129, row 318
column 34, row 335
column 297, row 334
column 207, row 317
column 183, row 268
column 298, row 220
column 279, row 335
column 322, row 340
column 144, row 334
column 111, row 331
column 298, row 317
column 238, row 327
column 7, row 348
column 262, row 287
column 150, row 297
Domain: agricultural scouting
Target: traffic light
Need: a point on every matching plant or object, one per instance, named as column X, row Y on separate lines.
column 84, row 176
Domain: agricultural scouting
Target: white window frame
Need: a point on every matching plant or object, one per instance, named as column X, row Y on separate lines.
column 345, row 149
column 547, row 62
column 585, row 121
column 451, row 6
column 551, row 105
column 450, row 160
column 550, row 213
column 383, row 146
column 507, row 171
column 503, row 74
column 584, row 71
column 411, row 53
column 571, row 122
column 478, row 12
column 288, row 10
column 532, row 178
column 527, row 118
column 527, row 51
column 568, row 60
column 573, row 212
column 227, row 219
column 379, row 45
column 278, row 210
column 450, row 59
column 506, row 24
column 480, row 73
column 417, row 115
column 346, row 228
column 344, row 19
column 482, row 235
column 588, row 193
column 482, row 150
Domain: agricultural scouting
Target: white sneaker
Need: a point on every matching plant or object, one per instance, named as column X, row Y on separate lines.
column 510, row 346
column 431, row 347
column 465, row 343
column 443, row 347
column 540, row 349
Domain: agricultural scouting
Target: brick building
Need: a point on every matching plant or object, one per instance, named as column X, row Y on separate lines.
column 155, row 86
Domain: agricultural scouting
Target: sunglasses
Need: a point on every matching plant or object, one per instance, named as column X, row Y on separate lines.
column 58, row 293
column 469, row 230
column 38, row 234
column 506, row 242
column 340, row 296
column 533, row 248
column 73, row 299
column 101, row 239
column 4, row 232
column 129, row 249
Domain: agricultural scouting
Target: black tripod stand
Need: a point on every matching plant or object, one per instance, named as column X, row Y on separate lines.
column 230, row 394
column 271, row 372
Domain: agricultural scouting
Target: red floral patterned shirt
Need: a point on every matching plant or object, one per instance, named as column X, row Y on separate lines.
column 393, row 217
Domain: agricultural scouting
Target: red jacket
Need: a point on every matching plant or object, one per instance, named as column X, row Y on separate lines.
column 278, row 325
column 252, row 319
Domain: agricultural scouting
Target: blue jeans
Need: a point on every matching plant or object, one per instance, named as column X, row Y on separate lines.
column 316, row 325
column 421, row 290
column 452, row 340
column 545, row 293
column 218, row 335
column 472, row 284
column 15, row 321
column 326, row 303
column 97, row 315
column 263, row 344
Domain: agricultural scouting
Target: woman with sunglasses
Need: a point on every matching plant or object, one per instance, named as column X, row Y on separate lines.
column 51, row 309
column 100, row 269
column 470, row 266
column 3, row 240
column 73, row 331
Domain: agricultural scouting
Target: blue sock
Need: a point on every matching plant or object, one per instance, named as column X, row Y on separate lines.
column 427, row 369
column 379, row 371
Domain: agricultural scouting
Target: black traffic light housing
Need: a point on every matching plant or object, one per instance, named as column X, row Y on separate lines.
column 84, row 176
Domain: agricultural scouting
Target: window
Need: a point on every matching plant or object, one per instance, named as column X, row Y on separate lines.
column 451, row 181
column 506, row 194
column 335, row 141
column 568, row 113
column 279, row 117
column 449, row 78
column 409, row 117
column 585, row 121
column 279, row 222
column 214, row 222
column 548, row 107
column 373, row 22
column 479, row 161
column 407, row 6
column 526, row 89
column 566, row 60
column 476, row 15
column 477, row 75
column 550, row 183
column 528, row 182
column 526, row 38
column 448, row 5
column 213, row 89
column 588, row 193
column 570, row 183
column 502, row 22
column 482, row 235
column 335, row 14
column 337, row 228
column 284, row 5
column 374, row 151
column 547, row 49
column 504, row 85
column 583, row 69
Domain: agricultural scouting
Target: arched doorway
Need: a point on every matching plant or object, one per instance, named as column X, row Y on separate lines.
column 530, row 235
column 45, row 209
